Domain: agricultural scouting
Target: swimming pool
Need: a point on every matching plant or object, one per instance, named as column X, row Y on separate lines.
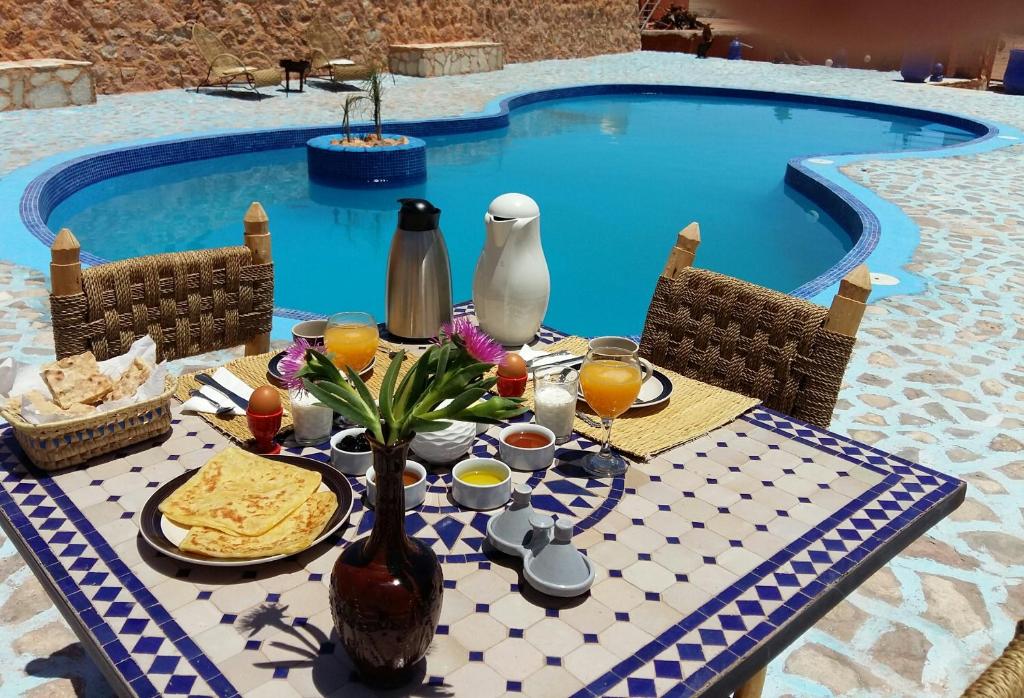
column 616, row 176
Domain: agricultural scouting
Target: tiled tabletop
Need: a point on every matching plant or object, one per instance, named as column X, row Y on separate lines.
column 711, row 558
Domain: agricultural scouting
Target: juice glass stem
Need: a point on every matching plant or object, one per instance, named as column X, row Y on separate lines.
column 605, row 463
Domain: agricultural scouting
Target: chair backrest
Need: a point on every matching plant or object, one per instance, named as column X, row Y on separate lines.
column 188, row 302
column 209, row 44
column 789, row 353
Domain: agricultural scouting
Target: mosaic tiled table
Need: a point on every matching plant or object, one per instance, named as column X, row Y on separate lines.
column 711, row 558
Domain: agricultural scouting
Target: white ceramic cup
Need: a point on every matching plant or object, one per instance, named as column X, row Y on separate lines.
column 481, row 497
column 310, row 330
column 414, row 493
column 349, row 462
column 519, row 458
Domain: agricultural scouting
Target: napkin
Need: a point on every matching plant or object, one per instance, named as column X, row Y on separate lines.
column 209, row 398
column 541, row 358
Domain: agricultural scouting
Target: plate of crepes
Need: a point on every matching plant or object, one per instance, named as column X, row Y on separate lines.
column 243, row 509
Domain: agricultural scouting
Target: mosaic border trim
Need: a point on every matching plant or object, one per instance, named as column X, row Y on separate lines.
column 855, row 216
column 909, row 498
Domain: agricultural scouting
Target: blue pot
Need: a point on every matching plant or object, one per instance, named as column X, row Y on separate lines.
column 343, row 165
column 1013, row 79
column 916, row 66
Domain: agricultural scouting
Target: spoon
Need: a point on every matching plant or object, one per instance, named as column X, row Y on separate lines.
column 221, row 409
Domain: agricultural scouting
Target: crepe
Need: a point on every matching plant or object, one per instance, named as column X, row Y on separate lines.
column 76, row 379
column 128, row 384
column 293, row 535
column 240, row 493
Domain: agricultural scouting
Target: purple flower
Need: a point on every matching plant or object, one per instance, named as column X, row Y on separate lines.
column 293, row 360
column 477, row 343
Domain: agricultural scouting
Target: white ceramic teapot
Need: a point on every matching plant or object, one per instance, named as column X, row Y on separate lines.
column 512, row 286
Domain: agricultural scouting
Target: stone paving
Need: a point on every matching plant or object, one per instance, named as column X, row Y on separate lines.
column 937, row 376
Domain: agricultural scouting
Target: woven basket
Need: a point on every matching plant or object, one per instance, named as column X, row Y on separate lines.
column 69, row 442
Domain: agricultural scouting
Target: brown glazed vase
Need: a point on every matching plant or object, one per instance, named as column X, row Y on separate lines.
column 386, row 587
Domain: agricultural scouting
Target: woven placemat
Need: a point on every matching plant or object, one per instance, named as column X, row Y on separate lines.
column 693, row 410
column 253, row 370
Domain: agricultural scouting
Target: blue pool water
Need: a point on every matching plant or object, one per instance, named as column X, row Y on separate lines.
column 615, row 177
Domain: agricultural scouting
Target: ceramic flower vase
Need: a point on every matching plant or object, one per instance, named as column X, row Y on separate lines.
column 386, row 588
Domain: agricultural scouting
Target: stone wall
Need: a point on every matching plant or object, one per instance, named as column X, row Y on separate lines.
column 42, row 83
column 145, row 45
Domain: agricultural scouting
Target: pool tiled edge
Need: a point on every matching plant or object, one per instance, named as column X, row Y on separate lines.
column 41, row 186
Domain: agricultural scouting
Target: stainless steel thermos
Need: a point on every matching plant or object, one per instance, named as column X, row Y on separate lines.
column 419, row 281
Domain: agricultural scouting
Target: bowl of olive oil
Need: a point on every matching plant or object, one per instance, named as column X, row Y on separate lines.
column 481, row 483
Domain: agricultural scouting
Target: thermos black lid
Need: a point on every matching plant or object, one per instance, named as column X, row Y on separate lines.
column 418, row 215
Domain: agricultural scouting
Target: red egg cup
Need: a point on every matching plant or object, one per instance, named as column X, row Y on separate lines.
column 264, row 428
column 511, row 387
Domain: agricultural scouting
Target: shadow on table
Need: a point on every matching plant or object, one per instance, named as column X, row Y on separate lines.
column 323, row 654
column 72, row 663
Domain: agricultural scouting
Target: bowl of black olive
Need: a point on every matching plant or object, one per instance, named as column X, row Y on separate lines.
column 350, row 451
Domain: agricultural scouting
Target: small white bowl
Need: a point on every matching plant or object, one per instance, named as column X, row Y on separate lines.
column 349, row 462
column 481, row 497
column 519, row 458
column 414, row 493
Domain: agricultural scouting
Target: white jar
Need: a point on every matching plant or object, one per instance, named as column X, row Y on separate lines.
column 511, row 286
column 311, row 420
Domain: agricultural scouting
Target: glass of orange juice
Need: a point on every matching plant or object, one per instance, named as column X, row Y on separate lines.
column 351, row 340
column 610, row 378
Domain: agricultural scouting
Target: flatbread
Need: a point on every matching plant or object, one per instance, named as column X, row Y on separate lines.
column 293, row 535
column 130, row 381
column 43, row 405
column 240, row 493
column 76, row 379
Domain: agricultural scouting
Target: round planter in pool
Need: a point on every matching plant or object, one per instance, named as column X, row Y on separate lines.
column 916, row 66
column 1013, row 78
column 345, row 165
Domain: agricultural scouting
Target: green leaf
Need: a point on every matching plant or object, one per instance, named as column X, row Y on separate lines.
column 322, row 367
column 456, row 406
column 411, row 388
column 495, row 408
column 341, row 404
column 421, row 425
column 364, row 393
column 387, row 388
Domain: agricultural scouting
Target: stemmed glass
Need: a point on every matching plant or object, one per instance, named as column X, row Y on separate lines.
column 351, row 340
column 611, row 377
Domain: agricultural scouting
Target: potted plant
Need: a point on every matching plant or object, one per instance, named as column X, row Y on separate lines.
column 373, row 87
column 370, row 158
column 386, row 587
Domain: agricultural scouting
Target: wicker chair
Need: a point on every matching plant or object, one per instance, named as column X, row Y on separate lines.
column 225, row 69
column 789, row 353
column 188, row 302
column 1005, row 677
column 325, row 50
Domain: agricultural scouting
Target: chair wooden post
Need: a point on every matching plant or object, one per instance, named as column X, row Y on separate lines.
column 257, row 239
column 850, row 302
column 684, row 251
column 753, row 687
column 65, row 264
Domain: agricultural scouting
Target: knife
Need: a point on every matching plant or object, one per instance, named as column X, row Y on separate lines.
column 208, row 380
column 550, row 359
column 565, row 361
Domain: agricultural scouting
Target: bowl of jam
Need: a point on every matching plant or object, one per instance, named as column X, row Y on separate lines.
column 526, row 446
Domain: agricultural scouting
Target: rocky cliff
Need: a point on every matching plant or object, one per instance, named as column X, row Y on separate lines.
column 146, row 44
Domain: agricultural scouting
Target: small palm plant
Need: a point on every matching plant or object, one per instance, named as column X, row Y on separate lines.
column 453, row 369
column 348, row 109
column 373, row 86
